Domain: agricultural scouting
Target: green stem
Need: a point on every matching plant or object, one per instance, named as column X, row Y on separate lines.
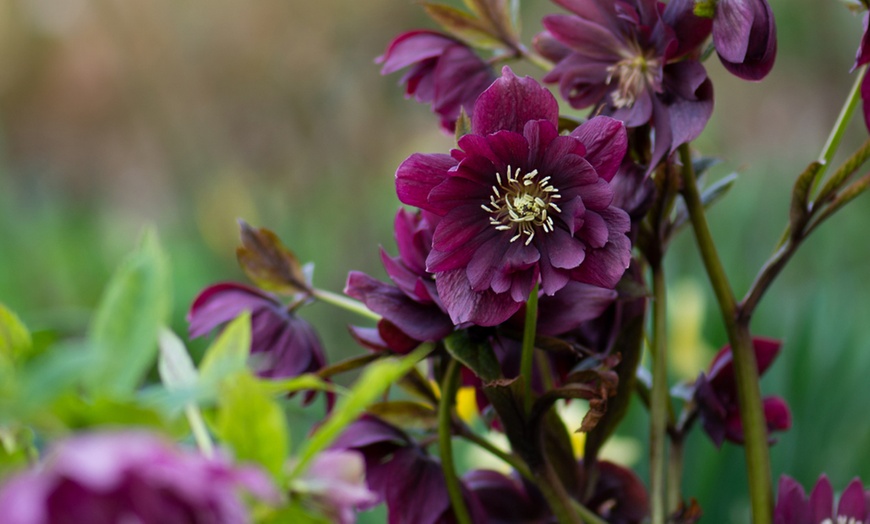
column 507, row 458
column 659, row 399
column 745, row 366
column 528, row 355
column 445, row 419
column 675, row 474
column 200, row 433
column 563, row 506
column 349, row 304
column 839, row 129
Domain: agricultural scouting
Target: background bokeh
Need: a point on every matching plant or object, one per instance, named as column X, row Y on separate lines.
column 189, row 115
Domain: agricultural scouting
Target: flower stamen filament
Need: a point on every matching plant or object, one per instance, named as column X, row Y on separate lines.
column 522, row 204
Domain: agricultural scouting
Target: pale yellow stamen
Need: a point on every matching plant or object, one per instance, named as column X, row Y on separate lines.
column 638, row 70
column 522, row 204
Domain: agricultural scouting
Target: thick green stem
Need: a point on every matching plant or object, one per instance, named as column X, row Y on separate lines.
column 659, row 400
column 343, row 302
column 833, row 141
column 528, row 355
column 445, row 446
column 675, row 474
column 745, row 366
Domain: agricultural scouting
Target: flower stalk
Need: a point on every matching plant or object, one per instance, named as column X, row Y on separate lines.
column 527, row 357
column 745, row 366
column 345, row 303
column 659, row 400
column 839, row 129
column 449, row 386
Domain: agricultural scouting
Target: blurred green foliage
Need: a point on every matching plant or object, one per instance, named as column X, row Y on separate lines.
column 187, row 116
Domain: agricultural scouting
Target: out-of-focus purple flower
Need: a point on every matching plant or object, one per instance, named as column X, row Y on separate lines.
column 744, row 34
column 793, row 506
column 716, row 395
column 109, row 478
column 622, row 58
column 284, row 344
column 506, row 500
column 443, row 71
column 863, row 57
column 402, row 474
column 520, row 204
column 335, row 482
column 411, row 310
column 618, row 495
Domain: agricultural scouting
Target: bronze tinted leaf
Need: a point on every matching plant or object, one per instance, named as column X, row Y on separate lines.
column 269, row 265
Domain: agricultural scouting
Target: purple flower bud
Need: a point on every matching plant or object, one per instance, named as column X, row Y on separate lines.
column 443, row 71
column 744, row 33
column 108, row 478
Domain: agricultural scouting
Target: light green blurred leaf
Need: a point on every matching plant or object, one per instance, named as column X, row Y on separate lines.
column 309, row 381
column 406, row 414
column 174, row 363
column 473, row 31
column 228, row 354
column 252, row 423
column 124, row 329
column 15, row 340
column 78, row 413
column 295, row 513
column 370, row 386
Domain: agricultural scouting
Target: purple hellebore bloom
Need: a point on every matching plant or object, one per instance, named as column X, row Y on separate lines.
column 109, row 478
column 411, row 310
column 335, row 481
column 716, row 395
column 744, row 34
column 402, row 474
column 286, row 345
column 619, row 496
column 624, row 59
column 443, row 71
column 506, row 500
column 520, row 204
column 793, row 506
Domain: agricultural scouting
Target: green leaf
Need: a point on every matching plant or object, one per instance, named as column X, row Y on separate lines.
column 77, row 413
column 295, row 512
column 406, row 414
column 306, row 382
column 15, row 340
column 228, row 354
column 269, row 264
column 464, row 26
column 174, row 364
column 371, row 385
column 800, row 197
column 124, row 329
column 477, row 356
column 252, row 423
column 463, row 125
column 717, row 190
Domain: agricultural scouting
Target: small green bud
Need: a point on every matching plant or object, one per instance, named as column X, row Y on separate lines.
column 705, row 8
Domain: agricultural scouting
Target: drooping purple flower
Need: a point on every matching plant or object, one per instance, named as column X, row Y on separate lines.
column 283, row 344
column 108, row 478
column 402, row 474
column 744, row 34
column 443, row 71
column 335, row 482
column 627, row 62
column 793, row 506
column 618, row 495
column 519, row 204
column 411, row 309
column 716, row 395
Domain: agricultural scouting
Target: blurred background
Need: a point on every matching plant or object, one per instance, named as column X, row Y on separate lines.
column 186, row 115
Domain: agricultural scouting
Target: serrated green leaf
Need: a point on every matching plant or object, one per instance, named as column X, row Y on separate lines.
column 252, row 423
column 406, row 414
column 15, row 339
column 174, row 363
column 268, row 263
column 228, row 354
column 476, row 356
column 464, row 26
column 371, row 385
column 124, row 329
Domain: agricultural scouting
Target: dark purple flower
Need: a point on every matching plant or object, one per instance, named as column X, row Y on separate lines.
column 284, row 344
column 506, row 500
column 862, row 57
column 618, row 495
column 744, row 34
column 519, row 204
column 335, row 483
column 443, row 71
column 623, row 58
column 108, row 478
column 716, row 395
column 411, row 310
column 793, row 506
column 401, row 473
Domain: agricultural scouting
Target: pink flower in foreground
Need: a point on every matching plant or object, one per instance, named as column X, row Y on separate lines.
column 793, row 506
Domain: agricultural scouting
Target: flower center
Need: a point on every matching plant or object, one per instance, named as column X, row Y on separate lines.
column 842, row 520
column 634, row 73
column 522, row 204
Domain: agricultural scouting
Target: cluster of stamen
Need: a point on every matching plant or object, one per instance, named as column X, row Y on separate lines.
column 634, row 73
column 522, row 204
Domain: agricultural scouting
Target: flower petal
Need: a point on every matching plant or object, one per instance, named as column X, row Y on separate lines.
column 464, row 305
column 606, row 143
column 510, row 102
column 418, row 175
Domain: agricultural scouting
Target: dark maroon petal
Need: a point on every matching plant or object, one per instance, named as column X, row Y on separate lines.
column 547, row 46
column 563, row 251
column 464, row 305
column 594, row 232
column 368, row 338
column 581, row 82
column 460, row 77
column 418, row 175
column 510, row 102
column 396, row 339
column 691, row 110
column 571, row 306
column 458, row 237
column 606, row 143
column 597, row 196
column 404, row 278
column 722, row 369
column 852, row 503
column 413, row 238
column 863, row 55
column 412, row 47
column 821, row 503
column 290, row 352
column 691, row 30
column 594, row 41
column 865, row 100
column 732, row 27
column 605, row 266
column 221, row 303
column 791, row 503
column 776, row 413
column 758, row 46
